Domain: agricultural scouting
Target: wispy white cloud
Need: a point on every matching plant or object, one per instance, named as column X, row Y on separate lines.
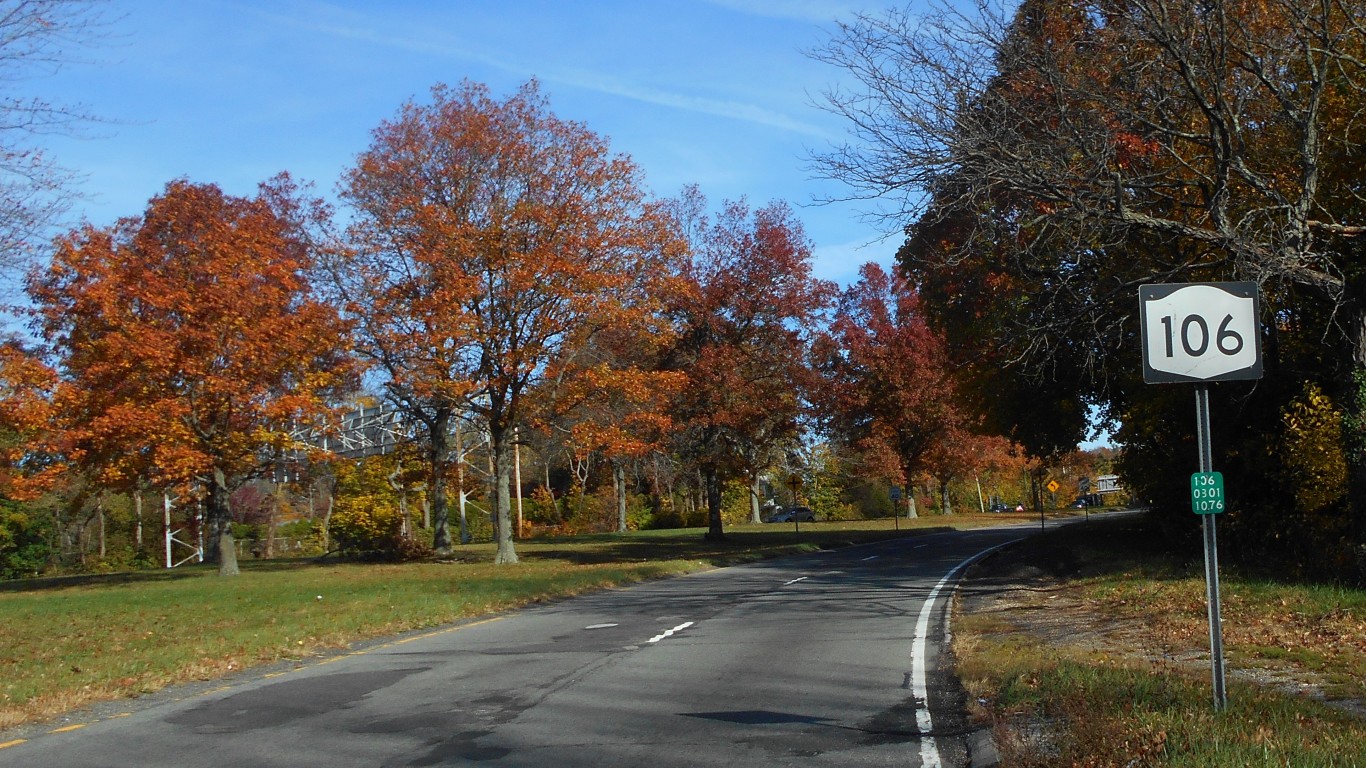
column 840, row 262
column 334, row 21
column 819, row 11
column 327, row 19
column 735, row 110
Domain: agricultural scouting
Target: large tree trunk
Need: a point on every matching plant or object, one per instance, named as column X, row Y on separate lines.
column 619, row 487
column 500, row 437
column 327, row 523
column 222, row 549
column 437, row 458
column 754, row 489
column 907, row 474
column 715, row 532
column 465, row 537
column 1355, row 428
column 1036, row 488
column 699, row 499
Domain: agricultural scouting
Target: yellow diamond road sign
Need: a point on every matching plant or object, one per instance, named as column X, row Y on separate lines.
column 1052, row 486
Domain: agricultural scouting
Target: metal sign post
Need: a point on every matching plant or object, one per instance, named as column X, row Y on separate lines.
column 1052, row 490
column 1203, row 332
column 1216, row 629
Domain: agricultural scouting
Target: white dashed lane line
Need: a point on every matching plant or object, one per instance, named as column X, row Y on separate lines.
column 670, row 632
column 794, row 581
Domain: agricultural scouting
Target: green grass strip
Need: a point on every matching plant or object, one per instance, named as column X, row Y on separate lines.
column 67, row 644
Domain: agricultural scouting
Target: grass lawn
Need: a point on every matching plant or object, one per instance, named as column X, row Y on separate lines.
column 1098, row 656
column 65, row 644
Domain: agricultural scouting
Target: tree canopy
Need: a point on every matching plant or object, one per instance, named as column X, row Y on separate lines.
column 745, row 325
column 187, row 340
column 1046, row 159
column 492, row 239
column 891, row 391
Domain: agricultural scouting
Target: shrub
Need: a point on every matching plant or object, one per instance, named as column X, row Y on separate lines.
column 372, row 528
column 541, row 508
column 25, row 541
column 1315, row 464
column 590, row 512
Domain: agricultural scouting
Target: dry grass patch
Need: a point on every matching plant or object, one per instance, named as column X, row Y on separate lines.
column 1088, row 647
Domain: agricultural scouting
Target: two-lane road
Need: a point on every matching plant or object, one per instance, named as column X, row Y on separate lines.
column 828, row 659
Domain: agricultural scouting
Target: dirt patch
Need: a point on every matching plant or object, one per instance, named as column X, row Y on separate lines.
column 1045, row 591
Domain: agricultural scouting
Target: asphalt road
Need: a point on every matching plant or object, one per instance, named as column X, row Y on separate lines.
column 826, row 659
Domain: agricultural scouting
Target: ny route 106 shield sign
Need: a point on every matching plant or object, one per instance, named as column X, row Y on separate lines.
column 1200, row 332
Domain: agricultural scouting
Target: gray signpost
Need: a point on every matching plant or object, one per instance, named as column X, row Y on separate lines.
column 1199, row 333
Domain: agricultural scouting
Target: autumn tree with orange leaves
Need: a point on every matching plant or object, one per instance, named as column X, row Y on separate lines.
column 611, row 398
column 183, row 343
column 745, row 324
column 491, row 240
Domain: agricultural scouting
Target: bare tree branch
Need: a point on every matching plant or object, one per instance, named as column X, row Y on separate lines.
column 36, row 38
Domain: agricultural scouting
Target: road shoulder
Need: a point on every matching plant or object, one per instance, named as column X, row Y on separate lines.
column 1040, row 598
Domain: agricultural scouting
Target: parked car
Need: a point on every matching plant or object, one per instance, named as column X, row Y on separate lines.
column 1000, row 506
column 797, row 514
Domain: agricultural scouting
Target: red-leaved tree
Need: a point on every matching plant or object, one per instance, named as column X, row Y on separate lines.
column 745, row 321
column 890, row 393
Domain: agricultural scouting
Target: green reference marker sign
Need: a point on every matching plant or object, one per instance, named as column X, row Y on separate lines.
column 1207, row 493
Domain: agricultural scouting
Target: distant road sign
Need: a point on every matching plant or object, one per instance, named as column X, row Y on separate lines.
column 1195, row 332
column 1052, row 486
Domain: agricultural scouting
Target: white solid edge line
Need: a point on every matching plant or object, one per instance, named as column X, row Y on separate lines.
column 929, row 751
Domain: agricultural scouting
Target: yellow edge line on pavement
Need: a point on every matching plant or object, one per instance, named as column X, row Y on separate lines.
column 13, row 743
column 66, row 728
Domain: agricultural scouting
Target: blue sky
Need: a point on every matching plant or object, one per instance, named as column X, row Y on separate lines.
column 714, row 92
